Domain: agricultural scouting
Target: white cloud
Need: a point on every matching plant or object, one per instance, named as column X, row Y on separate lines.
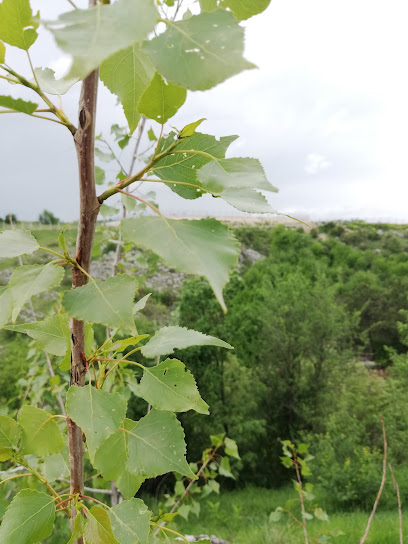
column 315, row 163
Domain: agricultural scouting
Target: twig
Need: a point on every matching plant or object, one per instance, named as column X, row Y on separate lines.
column 397, row 491
column 377, row 500
column 302, row 503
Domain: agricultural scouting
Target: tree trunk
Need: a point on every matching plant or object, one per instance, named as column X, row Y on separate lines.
column 89, row 209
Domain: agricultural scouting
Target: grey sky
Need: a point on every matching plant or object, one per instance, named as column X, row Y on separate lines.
column 326, row 113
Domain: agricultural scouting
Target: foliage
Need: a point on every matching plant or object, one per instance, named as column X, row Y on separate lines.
column 194, row 52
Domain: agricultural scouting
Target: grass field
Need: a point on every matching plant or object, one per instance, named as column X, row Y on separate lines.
column 241, row 517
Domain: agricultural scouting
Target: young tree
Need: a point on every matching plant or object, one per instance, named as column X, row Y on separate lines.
column 149, row 71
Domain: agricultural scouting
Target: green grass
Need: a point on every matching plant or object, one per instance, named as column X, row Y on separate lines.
column 241, row 517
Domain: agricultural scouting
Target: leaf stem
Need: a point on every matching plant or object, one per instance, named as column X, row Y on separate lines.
column 163, row 528
column 95, row 500
column 141, row 200
column 60, row 255
column 32, row 68
column 9, row 79
column 14, row 477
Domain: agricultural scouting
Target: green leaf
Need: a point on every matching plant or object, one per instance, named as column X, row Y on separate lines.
column 235, row 181
column 93, row 35
column 57, row 465
column 119, row 346
column 108, row 302
column 224, row 468
column 6, row 305
column 130, row 522
column 129, row 202
column 190, row 129
column 27, row 281
column 40, row 433
column 302, row 448
column 127, row 74
column 99, row 176
column 167, row 339
column 231, row 448
column 78, row 530
column 217, row 439
column 9, row 437
column 48, row 83
column 98, row 529
column 29, row 518
column 209, row 5
column 161, row 100
column 319, row 513
column 17, row 104
column 51, row 335
column 204, row 247
column 110, row 457
column 151, row 135
column 17, row 24
column 199, row 52
column 170, row 386
column 307, row 516
column 17, row 242
column 2, row 53
column 184, row 167
column 275, row 516
column 156, row 446
column 242, row 9
column 129, row 484
column 97, row 412
column 107, row 211
column 104, row 156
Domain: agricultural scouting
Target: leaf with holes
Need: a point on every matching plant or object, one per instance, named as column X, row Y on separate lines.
column 29, row 518
column 98, row 413
column 156, row 446
column 17, row 242
column 161, row 100
column 93, row 35
column 183, row 165
column 205, row 247
column 30, row 280
column 127, row 74
column 51, row 335
column 167, row 339
column 108, row 302
column 236, row 181
column 9, row 437
column 199, row 52
column 18, row 27
column 170, row 386
column 17, row 104
column 98, row 528
column 40, row 433
column 48, row 83
column 131, row 521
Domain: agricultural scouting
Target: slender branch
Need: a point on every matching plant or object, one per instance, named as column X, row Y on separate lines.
column 377, row 500
column 137, row 144
column 397, row 491
column 302, row 502
column 32, row 68
column 56, row 111
column 72, row 4
column 9, row 79
column 137, row 177
column 141, row 200
column 14, row 477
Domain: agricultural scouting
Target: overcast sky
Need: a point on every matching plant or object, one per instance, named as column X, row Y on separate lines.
column 326, row 113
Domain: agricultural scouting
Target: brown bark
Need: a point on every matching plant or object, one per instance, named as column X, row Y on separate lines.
column 89, row 208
